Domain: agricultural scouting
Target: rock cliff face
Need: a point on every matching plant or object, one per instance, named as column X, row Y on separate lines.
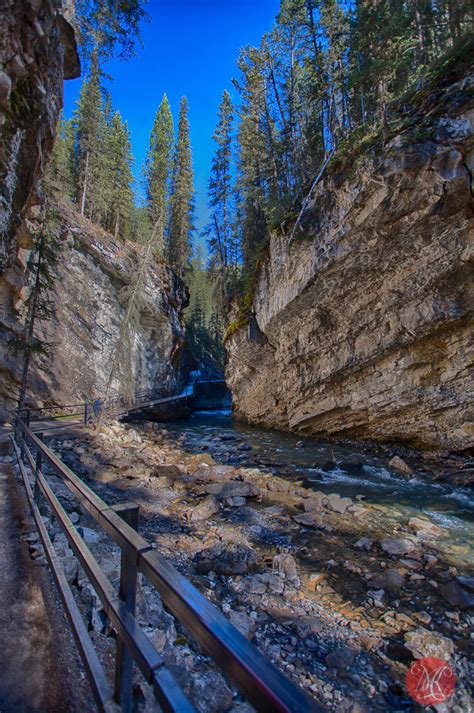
column 363, row 328
column 95, row 278
column 37, row 51
column 95, row 274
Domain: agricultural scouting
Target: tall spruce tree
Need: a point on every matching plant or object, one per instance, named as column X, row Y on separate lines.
column 325, row 68
column 118, row 153
column 157, row 171
column 62, row 161
column 182, row 198
column 89, row 126
column 221, row 229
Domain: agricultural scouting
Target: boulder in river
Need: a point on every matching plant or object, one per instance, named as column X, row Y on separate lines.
column 205, row 509
column 397, row 546
column 166, row 470
column 231, row 489
column 426, row 528
column 457, row 595
column 364, row 543
column 401, row 466
column 389, row 579
column 226, row 558
column 341, row 658
column 316, row 502
column 286, row 563
column 338, row 504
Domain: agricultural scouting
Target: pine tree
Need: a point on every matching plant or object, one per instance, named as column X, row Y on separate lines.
column 181, row 203
column 221, row 230
column 89, row 127
column 158, row 171
column 62, row 160
column 258, row 164
column 119, row 160
column 39, row 306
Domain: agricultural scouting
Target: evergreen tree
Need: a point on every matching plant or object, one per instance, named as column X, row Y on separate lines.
column 158, row 171
column 182, row 192
column 89, row 128
column 119, row 160
column 62, row 161
column 39, row 307
column 221, row 229
column 325, row 68
column 108, row 25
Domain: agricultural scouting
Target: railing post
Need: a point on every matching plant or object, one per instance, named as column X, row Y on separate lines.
column 86, row 413
column 39, row 465
column 21, row 438
column 28, row 417
column 128, row 594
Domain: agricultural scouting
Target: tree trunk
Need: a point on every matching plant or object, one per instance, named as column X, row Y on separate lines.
column 84, row 187
column 30, row 328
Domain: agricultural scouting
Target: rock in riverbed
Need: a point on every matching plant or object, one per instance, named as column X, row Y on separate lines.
column 226, row 558
column 401, row 466
column 422, row 642
column 397, row 546
column 389, row 579
column 205, row 509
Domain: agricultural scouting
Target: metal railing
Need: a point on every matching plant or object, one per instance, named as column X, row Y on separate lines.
column 114, row 406
column 262, row 684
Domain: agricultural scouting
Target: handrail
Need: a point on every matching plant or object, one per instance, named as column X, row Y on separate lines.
column 150, row 395
column 264, row 686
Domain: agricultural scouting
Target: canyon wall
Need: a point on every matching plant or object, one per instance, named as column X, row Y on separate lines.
column 37, row 52
column 362, row 327
column 94, row 281
column 95, row 274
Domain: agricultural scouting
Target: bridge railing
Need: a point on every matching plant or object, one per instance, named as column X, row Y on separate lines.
column 113, row 406
column 262, row 684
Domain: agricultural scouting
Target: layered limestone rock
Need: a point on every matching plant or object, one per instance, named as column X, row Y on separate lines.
column 362, row 329
column 95, row 278
column 37, row 51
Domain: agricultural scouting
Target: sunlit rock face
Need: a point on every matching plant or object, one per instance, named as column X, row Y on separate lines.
column 95, row 280
column 363, row 329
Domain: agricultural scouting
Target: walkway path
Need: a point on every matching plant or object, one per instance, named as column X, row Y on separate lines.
column 39, row 669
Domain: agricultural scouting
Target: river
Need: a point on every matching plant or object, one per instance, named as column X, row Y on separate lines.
column 359, row 473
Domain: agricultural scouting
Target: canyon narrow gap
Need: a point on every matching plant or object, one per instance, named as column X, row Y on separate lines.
column 236, row 394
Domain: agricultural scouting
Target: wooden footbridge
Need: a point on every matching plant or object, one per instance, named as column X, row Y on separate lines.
column 149, row 405
column 263, row 685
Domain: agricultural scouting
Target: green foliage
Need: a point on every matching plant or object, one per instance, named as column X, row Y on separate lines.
column 323, row 78
column 118, row 161
column 221, row 232
column 109, row 26
column 157, row 171
column 204, row 325
column 61, row 169
column 182, row 198
column 39, row 306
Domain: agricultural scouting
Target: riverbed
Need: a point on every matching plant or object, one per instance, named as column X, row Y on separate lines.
column 340, row 569
column 333, row 467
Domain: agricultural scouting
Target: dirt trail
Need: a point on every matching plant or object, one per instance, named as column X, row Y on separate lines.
column 36, row 657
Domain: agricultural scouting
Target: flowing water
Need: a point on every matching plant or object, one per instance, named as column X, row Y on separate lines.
column 334, row 468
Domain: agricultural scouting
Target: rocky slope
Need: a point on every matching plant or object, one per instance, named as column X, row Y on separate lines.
column 361, row 328
column 95, row 278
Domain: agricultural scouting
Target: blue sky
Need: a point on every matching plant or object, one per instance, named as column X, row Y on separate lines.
column 190, row 47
